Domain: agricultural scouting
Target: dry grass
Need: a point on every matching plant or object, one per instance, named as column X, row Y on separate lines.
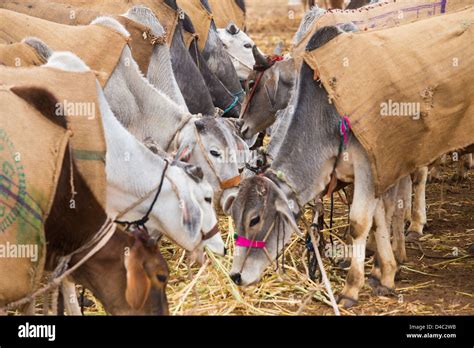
column 209, row 291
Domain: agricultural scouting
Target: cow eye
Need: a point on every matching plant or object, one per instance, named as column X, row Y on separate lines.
column 215, row 153
column 208, row 199
column 161, row 278
column 247, row 45
column 254, row 221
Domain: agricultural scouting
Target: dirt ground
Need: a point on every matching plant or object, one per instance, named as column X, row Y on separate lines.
column 430, row 283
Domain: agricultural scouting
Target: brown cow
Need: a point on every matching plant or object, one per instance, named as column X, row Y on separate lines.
column 136, row 271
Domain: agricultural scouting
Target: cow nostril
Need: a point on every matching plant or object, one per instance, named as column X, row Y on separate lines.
column 236, row 278
column 225, row 251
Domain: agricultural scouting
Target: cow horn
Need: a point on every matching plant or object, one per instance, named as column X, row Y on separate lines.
column 232, row 29
column 260, row 59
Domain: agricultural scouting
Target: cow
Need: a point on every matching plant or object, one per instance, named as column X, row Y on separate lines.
column 212, row 59
column 266, row 206
column 269, row 91
column 67, row 230
column 239, row 47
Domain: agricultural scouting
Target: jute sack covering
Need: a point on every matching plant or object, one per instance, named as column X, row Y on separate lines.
column 99, row 47
column 31, row 153
column 378, row 16
column 141, row 42
column 19, row 54
column 429, row 64
column 76, row 93
column 167, row 16
column 200, row 17
column 226, row 11
column 51, row 11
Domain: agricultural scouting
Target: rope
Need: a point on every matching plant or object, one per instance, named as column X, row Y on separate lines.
column 232, row 105
column 145, row 218
column 324, row 276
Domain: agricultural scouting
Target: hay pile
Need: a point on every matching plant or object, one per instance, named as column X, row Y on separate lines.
column 209, row 291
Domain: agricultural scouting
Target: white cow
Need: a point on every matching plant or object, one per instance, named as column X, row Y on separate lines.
column 239, row 47
column 183, row 211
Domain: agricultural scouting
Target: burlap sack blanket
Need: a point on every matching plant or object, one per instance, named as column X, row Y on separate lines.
column 167, row 16
column 391, row 73
column 141, row 39
column 31, row 154
column 99, row 47
column 51, row 11
column 76, row 93
column 226, row 11
column 201, row 19
column 19, row 54
column 378, row 16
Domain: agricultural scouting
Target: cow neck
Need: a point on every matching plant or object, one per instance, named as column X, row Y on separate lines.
column 310, row 146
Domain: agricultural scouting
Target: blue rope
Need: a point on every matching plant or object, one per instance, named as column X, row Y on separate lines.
column 231, row 106
column 236, row 100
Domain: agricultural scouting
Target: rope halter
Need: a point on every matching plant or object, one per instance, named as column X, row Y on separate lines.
column 261, row 71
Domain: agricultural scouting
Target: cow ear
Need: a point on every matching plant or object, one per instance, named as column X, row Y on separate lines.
column 184, row 152
column 138, row 283
column 195, row 172
column 229, row 201
column 282, row 207
column 271, row 86
column 191, row 217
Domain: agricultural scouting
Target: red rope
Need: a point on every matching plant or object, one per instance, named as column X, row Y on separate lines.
column 271, row 60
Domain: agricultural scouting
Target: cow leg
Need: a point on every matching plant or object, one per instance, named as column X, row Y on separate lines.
column 361, row 215
column 463, row 165
column 70, row 298
column 419, row 203
column 386, row 260
column 408, row 187
column 28, row 308
column 398, row 221
column 435, row 169
column 388, row 204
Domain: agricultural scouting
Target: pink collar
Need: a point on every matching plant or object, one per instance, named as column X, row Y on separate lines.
column 247, row 243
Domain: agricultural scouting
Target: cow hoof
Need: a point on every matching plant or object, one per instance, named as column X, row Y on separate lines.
column 87, row 303
column 456, row 178
column 382, row 290
column 346, row 302
column 373, row 281
column 412, row 237
column 471, row 249
column 434, row 179
column 398, row 275
column 344, row 264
